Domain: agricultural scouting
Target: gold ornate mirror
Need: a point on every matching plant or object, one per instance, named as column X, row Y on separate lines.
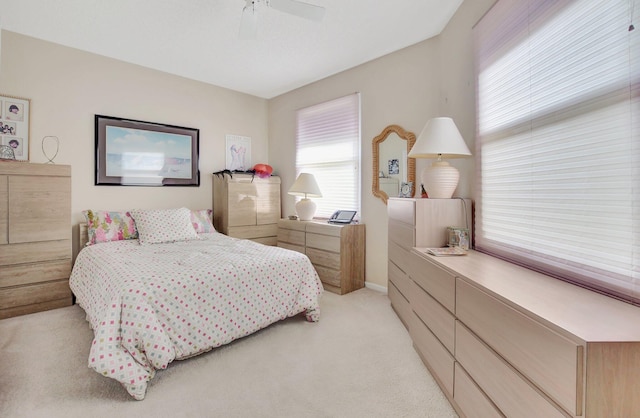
column 391, row 166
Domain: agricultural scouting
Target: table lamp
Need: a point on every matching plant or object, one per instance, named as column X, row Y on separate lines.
column 439, row 139
column 305, row 185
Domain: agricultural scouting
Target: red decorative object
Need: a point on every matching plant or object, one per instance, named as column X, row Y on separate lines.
column 263, row 170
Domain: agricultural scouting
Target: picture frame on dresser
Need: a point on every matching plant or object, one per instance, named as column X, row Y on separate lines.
column 136, row 153
column 14, row 125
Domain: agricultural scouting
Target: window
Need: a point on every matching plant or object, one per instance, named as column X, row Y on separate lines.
column 328, row 146
column 558, row 140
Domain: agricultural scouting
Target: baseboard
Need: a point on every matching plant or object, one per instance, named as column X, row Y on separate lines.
column 375, row 287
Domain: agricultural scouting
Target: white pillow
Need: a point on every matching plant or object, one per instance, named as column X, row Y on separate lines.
column 156, row 226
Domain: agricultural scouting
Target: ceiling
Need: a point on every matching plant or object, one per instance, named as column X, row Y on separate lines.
column 198, row 39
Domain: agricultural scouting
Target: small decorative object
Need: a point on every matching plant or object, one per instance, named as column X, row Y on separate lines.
column 423, row 192
column 6, row 153
column 293, row 218
column 53, row 140
column 406, row 189
column 458, row 237
column 262, row 170
column 305, row 185
column 14, row 125
column 238, row 154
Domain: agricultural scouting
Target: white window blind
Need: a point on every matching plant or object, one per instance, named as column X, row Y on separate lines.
column 328, row 146
column 558, row 130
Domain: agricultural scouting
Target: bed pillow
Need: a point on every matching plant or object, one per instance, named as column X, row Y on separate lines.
column 157, row 226
column 105, row 226
column 201, row 220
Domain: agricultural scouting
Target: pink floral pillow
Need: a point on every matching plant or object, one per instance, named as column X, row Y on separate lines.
column 201, row 220
column 157, row 226
column 103, row 226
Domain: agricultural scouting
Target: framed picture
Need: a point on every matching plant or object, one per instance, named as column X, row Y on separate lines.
column 136, row 153
column 238, row 153
column 14, row 125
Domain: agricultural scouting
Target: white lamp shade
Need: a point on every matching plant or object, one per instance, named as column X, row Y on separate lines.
column 440, row 137
column 305, row 185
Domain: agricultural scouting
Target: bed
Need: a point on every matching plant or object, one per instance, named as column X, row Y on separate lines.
column 150, row 303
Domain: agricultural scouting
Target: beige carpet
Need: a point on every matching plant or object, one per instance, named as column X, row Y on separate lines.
column 357, row 361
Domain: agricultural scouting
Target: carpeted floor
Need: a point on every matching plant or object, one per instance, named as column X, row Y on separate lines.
column 358, row 361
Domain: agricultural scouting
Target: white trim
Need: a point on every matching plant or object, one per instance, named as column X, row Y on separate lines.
column 375, row 287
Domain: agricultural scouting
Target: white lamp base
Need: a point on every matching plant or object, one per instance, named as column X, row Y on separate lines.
column 440, row 180
column 305, row 209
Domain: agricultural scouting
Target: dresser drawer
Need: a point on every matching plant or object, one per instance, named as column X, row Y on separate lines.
column 324, row 258
column 510, row 392
column 470, row 398
column 548, row 359
column 402, row 234
column 399, row 279
column 34, row 252
column 253, row 231
column 398, row 255
column 22, row 274
column 439, row 283
column 439, row 320
column 291, row 247
column 329, row 276
column 323, row 242
column 402, row 210
column 435, row 355
column 291, row 236
column 12, row 297
column 400, row 304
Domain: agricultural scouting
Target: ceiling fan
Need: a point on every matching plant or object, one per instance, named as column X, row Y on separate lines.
column 249, row 20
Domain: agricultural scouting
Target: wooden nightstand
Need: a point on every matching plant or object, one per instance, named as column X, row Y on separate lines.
column 336, row 251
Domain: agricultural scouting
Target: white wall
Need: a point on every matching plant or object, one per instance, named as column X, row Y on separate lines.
column 407, row 88
column 67, row 87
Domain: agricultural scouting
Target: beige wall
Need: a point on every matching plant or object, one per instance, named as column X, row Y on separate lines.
column 408, row 87
column 68, row 87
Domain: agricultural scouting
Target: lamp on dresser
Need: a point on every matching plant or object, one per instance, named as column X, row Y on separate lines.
column 306, row 186
column 440, row 139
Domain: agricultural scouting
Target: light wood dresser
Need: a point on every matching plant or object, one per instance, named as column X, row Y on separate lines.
column 423, row 223
column 502, row 340
column 336, row 251
column 35, row 237
column 247, row 206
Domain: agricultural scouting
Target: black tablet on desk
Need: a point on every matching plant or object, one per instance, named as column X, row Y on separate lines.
column 342, row 217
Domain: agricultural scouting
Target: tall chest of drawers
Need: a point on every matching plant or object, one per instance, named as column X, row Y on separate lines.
column 35, row 237
column 246, row 206
column 336, row 251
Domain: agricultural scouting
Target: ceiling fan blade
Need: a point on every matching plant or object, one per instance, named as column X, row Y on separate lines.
column 248, row 23
column 298, row 8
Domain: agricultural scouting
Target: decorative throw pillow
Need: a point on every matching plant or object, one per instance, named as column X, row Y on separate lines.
column 104, row 226
column 156, row 226
column 201, row 220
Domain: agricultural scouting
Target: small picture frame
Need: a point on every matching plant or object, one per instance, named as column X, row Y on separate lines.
column 14, row 125
column 238, row 153
column 406, row 189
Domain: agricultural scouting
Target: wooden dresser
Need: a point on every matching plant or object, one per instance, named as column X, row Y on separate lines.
column 423, row 223
column 505, row 341
column 35, row 237
column 336, row 251
column 247, row 206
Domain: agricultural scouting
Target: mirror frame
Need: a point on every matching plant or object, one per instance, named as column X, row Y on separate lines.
column 411, row 162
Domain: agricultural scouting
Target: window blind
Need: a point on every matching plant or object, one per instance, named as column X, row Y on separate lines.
column 558, row 125
column 328, row 146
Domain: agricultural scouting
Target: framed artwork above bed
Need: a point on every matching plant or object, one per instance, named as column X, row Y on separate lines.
column 137, row 153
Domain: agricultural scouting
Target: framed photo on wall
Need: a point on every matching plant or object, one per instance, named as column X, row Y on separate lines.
column 14, row 125
column 137, row 153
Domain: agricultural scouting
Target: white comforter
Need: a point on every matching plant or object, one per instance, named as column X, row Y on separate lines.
column 151, row 304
